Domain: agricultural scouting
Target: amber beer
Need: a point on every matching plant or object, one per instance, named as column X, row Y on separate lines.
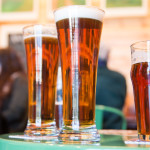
column 87, row 32
column 42, row 64
column 140, row 75
column 79, row 38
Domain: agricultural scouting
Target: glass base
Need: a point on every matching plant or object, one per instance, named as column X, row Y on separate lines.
column 88, row 135
column 43, row 130
column 143, row 137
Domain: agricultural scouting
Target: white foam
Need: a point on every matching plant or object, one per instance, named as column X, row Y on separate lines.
column 139, row 56
column 39, row 35
column 79, row 12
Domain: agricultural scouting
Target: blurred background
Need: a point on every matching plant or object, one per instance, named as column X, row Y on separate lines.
column 126, row 22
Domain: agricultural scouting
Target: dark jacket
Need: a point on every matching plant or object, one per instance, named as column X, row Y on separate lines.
column 110, row 91
column 14, row 108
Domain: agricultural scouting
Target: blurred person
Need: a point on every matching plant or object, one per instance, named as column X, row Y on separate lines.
column 13, row 93
column 110, row 90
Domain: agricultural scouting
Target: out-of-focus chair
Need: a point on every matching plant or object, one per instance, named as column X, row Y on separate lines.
column 100, row 109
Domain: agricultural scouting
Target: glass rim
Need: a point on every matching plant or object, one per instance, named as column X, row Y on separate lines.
column 49, row 28
column 79, row 6
column 42, row 24
column 79, row 11
column 133, row 46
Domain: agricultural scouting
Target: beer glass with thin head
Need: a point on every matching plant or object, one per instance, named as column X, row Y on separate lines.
column 140, row 76
column 41, row 46
column 79, row 29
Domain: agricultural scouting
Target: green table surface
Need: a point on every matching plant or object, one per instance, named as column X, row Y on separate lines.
column 110, row 139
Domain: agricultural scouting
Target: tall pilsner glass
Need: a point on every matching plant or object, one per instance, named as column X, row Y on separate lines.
column 140, row 75
column 41, row 46
column 79, row 29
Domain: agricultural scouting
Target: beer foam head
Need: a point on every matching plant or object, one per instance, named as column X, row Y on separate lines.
column 40, row 30
column 140, row 52
column 79, row 12
column 40, row 35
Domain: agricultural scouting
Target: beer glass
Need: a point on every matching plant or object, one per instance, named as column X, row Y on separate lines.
column 41, row 46
column 140, row 76
column 79, row 30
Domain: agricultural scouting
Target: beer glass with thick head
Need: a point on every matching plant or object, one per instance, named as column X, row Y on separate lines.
column 140, row 76
column 41, row 46
column 79, row 30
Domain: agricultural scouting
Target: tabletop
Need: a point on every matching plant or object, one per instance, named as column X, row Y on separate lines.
column 110, row 139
